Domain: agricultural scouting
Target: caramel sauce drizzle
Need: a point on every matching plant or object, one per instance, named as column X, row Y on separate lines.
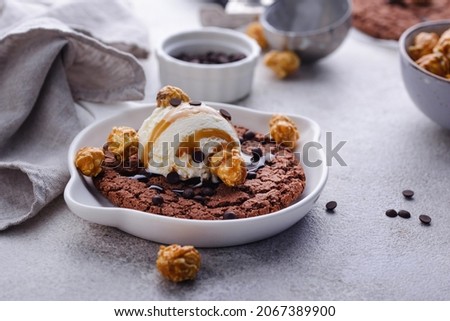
column 193, row 141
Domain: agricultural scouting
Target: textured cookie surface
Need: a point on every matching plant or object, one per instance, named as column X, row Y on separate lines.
column 382, row 20
column 277, row 184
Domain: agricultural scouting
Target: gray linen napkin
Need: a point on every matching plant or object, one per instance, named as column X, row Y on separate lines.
column 44, row 66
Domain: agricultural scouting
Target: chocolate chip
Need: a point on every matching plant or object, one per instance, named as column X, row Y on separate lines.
column 188, row 193
column 140, row 178
column 110, row 162
column 269, row 140
column 195, row 103
column 225, row 114
column 198, row 156
column 175, row 102
column 397, row 2
column 249, row 135
column 207, row 191
column 251, row 175
column 257, row 151
column 404, row 214
column 199, row 199
column 331, row 205
column 229, row 216
column 391, row 213
column 255, row 158
column 425, row 219
column 257, row 154
column 173, row 177
column 157, row 200
column 408, row 193
column 156, row 187
column 178, row 191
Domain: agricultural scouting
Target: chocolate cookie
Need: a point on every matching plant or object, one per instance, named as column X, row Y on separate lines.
column 275, row 184
column 387, row 19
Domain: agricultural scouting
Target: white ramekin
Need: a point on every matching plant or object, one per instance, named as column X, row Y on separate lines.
column 227, row 82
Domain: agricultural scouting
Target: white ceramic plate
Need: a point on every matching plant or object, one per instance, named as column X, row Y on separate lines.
column 86, row 202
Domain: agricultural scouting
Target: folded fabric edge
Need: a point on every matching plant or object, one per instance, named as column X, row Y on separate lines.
column 35, row 205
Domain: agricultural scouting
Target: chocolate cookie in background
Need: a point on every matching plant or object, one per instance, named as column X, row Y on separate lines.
column 388, row 19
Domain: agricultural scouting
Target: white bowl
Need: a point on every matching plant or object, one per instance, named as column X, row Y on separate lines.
column 85, row 201
column 216, row 82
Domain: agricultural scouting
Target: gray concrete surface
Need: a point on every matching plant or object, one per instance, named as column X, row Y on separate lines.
column 357, row 253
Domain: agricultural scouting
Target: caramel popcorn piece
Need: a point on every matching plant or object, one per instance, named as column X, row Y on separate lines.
column 123, row 141
column 284, row 131
column 167, row 93
column 445, row 35
column 443, row 47
column 178, row 263
column 255, row 30
column 283, row 63
column 89, row 160
column 435, row 63
column 424, row 43
column 229, row 166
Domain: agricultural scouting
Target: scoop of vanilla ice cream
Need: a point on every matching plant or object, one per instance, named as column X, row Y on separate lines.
column 171, row 135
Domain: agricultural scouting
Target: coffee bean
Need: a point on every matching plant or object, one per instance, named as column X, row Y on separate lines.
column 251, row 175
column 425, row 219
column 207, row 191
column 249, row 135
column 225, row 114
column 391, row 213
column 195, row 103
column 157, row 187
column 229, row 216
column 194, row 181
column 211, row 57
column 175, row 102
column 157, row 200
column 236, row 57
column 331, row 205
column 408, row 193
column 188, row 193
column 198, row 156
column 404, row 214
column 173, row 177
